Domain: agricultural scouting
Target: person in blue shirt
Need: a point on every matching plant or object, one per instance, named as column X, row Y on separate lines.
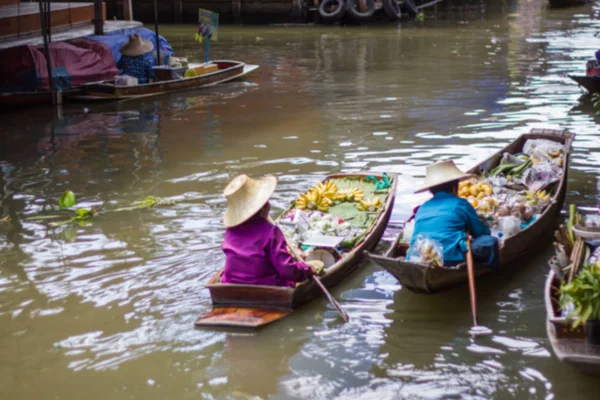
column 447, row 218
column 137, row 59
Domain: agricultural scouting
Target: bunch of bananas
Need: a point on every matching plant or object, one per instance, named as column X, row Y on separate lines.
column 531, row 198
column 313, row 200
column 328, row 189
column 370, row 205
column 350, row 195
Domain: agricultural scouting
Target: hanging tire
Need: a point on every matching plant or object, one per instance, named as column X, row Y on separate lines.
column 410, row 7
column 357, row 15
column 392, row 9
column 333, row 15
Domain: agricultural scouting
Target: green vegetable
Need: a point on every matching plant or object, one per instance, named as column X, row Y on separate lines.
column 503, row 168
column 67, row 199
column 570, row 224
column 517, row 172
column 584, row 293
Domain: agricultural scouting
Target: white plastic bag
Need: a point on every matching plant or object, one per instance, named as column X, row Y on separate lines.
column 552, row 149
column 125, row 80
column 428, row 251
column 540, row 175
column 509, row 226
column 592, row 221
column 408, row 230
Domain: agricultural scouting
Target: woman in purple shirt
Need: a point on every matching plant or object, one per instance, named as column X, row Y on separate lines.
column 255, row 249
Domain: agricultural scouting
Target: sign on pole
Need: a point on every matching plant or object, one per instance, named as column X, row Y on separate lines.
column 209, row 24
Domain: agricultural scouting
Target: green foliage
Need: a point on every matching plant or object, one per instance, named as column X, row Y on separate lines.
column 152, row 201
column 584, row 293
column 420, row 17
column 67, row 200
column 596, row 102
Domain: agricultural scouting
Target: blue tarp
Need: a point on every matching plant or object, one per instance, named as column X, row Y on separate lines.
column 116, row 39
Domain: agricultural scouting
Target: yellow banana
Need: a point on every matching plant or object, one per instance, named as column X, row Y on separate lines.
column 350, row 195
column 369, row 205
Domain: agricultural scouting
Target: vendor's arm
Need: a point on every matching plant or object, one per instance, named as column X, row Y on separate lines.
column 475, row 225
column 282, row 260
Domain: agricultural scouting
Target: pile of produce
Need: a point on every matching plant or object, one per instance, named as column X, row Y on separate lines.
column 577, row 265
column 342, row 207
column 511, row 196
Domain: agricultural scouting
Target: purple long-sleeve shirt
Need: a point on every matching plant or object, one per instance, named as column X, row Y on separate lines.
column 256, row 254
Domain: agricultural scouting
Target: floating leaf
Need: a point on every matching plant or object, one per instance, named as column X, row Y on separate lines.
column 67, row 199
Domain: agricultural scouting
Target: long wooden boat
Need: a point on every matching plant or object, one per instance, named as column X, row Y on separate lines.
column 24, row 99
column 228, row 70
column 567, row 3
column 568, row 344
column 591, row 80
column 423, row 278
column 252, row 306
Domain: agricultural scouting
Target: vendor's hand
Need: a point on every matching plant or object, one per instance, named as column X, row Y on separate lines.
column 317, row 267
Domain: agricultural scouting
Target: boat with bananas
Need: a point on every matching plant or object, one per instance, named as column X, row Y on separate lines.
column 424, row 277
column 351, row 210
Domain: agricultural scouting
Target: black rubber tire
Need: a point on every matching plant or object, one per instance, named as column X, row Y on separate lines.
column 392, row 10
column 410, row 7
column 355, row 14
column 334, row 15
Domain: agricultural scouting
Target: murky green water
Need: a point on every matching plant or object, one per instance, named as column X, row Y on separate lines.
column 107, row 310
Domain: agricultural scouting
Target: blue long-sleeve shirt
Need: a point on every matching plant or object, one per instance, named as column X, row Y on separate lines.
column 446, row 218
column 139, row 67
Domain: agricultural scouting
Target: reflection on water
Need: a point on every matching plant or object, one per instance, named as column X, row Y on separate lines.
column 106, row 310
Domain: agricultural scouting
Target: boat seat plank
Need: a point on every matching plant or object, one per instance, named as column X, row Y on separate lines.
column 241, row 317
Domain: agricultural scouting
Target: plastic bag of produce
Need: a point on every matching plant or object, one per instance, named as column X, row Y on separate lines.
column 595, row 256
column 509, row 226
column 540, row 175
column 428, row 251
column 408, row 230
column 508, row 158
column 552, row 149
column 592, row 221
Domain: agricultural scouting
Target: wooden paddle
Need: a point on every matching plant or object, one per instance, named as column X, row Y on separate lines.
column 297, row 256
column 471, row 273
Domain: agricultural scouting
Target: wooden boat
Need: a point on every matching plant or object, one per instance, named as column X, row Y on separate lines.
column 23, row 99
column 567, row 3
column 422, row 278
column 228, row 70
column 252, row 306
column 591, row 80
column 568, row 344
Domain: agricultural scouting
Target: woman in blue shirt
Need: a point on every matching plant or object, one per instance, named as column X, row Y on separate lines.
column 137, row 60
column 446, row 218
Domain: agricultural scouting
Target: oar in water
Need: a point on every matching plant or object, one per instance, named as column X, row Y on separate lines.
column 337, row 306
column 476, row 329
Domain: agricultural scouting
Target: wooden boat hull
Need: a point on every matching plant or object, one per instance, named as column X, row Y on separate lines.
column 422, row 278
column 25, row 99
column 567, row 3
column 568, row 345
column 228, row 70
column 589, row 83
column 280, row 301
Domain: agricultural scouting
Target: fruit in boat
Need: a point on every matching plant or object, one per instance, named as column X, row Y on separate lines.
column 328, row 189
column 350, row 195
column 370, row 205
column 313, row 200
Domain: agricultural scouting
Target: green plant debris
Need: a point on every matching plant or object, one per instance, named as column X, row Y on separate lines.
column 420, row 17
column 67, row 200
column 596, row 103
column 5, row 219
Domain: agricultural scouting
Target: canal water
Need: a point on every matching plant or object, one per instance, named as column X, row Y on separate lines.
column 106, row 310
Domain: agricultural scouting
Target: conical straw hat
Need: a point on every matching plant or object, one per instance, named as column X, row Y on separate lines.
column 442, row 172
column 245, row 197
column 136, row 46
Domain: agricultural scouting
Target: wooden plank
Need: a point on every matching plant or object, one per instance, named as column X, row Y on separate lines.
column 240, row 317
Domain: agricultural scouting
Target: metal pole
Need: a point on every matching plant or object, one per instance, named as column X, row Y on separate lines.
column 156, row 31
column 44, row 27
column 98, row 18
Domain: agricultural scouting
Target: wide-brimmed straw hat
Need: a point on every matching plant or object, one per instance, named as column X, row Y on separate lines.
column 245, row 197
column 136, row 46
column 442, row 172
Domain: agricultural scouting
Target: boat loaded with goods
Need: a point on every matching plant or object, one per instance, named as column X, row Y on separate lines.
column 572, row 293
column 518, row 192
column 334, row 221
